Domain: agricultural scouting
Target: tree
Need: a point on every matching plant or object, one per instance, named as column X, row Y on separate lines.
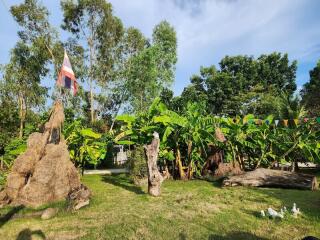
column 94, row 22
column 30, row 57
column 9, row 117
column 165, row 40
column 152, row 69
column 311, row 92
column 23, row 76
column 243, row 84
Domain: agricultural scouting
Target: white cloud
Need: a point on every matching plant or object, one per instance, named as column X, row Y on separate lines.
column 207, row 30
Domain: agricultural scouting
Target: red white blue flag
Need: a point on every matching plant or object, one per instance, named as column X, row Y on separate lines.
column 66, row 76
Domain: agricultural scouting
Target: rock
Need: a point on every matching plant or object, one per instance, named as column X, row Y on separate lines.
column 49, row 213
column 78, row 198
column 44, row 173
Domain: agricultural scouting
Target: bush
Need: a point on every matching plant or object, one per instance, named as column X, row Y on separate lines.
column 137, row 163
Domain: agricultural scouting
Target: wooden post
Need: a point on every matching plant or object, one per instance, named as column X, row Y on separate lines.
column 154, row 177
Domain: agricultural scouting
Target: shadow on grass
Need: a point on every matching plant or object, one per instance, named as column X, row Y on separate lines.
column 236, row 236
column 215, row 181
column 123, row 181
column 6, row 217
column 26, row 234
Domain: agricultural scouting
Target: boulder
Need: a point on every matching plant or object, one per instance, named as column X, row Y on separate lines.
column 49, row 213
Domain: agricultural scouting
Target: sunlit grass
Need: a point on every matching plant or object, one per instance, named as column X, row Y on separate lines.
column 186, row 210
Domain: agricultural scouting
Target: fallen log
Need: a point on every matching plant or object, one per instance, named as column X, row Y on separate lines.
column 262, row 177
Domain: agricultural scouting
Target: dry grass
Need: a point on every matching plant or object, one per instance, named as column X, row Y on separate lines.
column 186, row 210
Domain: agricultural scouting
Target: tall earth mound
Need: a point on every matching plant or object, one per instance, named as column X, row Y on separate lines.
column 44, row 173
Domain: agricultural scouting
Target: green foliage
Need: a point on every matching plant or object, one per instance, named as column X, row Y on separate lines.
column 152, row 68
column 243, row 85
column 251, row 142
column 264, row 144
column 13, row 150
column 137, row 163
column 86, row 147
column 9, row 119
column 311, row 93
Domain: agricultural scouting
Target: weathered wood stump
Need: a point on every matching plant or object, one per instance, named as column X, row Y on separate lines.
column 262, row 177
column 154, row 176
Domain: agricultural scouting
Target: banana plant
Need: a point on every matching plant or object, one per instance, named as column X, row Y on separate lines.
column 298, row 143
column 85, row 145
column 138, row 130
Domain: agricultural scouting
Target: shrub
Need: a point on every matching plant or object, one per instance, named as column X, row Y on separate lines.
column 137, row 163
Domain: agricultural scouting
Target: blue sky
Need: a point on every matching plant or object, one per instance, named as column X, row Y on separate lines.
column 207, row 30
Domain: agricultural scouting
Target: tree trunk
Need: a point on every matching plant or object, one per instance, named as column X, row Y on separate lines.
column 262, row 177
column 91, row 103
column 91, row 50
column 179, row 164
column 22, row 114
column 215, row 158
column 190, row 171
column 166, row 173
column 154, row 177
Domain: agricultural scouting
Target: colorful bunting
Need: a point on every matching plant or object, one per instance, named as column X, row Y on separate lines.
column 285, row 122
column 276, row 122
column 296, row 121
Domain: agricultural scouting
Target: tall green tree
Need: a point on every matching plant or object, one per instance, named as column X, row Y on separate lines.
column 94, row 23
column 311, row 92
column 152, row 69
column 22, row 79
column 243, row 84
column 9, row 116
column 30, row 58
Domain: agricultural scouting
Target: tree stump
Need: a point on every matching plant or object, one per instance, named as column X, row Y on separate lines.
column 154, row 176
column 262, row 177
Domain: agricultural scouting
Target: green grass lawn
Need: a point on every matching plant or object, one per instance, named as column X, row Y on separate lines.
column 186, row 210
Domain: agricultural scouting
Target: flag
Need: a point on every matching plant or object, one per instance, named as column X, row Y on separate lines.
column 296, row 121
column 276, row 122
column 66, row 76
column 285, row 122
